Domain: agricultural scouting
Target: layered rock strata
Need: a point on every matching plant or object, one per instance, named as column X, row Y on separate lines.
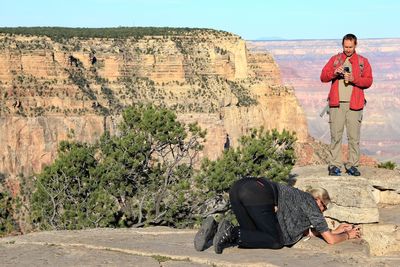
column 52, row 90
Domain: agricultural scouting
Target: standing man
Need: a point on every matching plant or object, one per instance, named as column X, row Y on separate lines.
column 350, row 74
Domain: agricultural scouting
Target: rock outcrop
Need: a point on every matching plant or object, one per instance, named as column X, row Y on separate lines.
column 383, row 184
column 352, row 201
column 360, row 200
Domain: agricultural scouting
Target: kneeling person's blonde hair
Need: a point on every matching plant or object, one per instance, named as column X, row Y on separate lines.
column 321, row 193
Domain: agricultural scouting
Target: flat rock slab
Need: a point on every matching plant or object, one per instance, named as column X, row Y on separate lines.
column 378, row 177
column 382, row 178
column 160, row 246
column 26, row 254
column 384, row 184
column 389, row 214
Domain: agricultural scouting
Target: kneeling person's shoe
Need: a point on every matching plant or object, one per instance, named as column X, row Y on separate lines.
column 226, row 236
column 353, row 171
column 334, row 171
column 205, row 235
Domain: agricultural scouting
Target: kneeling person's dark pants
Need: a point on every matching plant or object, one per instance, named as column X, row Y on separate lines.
column 252, row 201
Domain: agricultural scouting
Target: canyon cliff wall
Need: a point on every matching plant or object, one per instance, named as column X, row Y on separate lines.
column 75, row 88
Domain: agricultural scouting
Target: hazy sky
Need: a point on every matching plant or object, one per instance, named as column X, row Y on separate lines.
column 251, row 19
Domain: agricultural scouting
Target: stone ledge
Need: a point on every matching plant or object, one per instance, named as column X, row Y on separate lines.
column 172, row 247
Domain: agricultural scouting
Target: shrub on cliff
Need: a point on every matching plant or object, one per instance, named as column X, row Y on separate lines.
column 137, row 177
column 68, row 195
column 243, row 95
column 390, row 165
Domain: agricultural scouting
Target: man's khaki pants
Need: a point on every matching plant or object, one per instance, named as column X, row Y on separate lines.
column 338, row 118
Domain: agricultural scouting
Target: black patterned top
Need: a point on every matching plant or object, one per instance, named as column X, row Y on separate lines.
column 297, row 212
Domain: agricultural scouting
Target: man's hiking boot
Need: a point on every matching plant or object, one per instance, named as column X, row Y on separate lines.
column 205, row 235
column 334, row 171
column 226, row 236
column 353, row 171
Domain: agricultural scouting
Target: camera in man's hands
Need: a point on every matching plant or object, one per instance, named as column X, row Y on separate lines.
column 346, row 70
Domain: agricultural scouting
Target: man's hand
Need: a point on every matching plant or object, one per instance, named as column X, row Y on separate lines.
column 344, row 227
column 348, row 77
column 334, row 237
column 339, row 71
column 354, row 233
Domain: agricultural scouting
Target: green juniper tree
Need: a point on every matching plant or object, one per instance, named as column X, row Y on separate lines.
column 68, row 194
column 138, row 176
column 262, row 153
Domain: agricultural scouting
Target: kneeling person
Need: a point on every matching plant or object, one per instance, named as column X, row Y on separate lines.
column 272, row 215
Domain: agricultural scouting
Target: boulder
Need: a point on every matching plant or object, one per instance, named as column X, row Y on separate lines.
column 382, row 239
column 389, row 197
column 382, row 179
column 385, row 183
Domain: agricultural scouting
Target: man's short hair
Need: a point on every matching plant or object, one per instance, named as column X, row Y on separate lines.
column 350, row 37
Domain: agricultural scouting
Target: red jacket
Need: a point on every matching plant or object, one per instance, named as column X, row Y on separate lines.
column 361, row 80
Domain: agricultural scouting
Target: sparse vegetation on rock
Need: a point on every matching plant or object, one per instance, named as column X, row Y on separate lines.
column 387, row 165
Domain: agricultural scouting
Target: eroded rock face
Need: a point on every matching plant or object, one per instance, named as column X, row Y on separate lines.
column 30, row 143
column 49, row 88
